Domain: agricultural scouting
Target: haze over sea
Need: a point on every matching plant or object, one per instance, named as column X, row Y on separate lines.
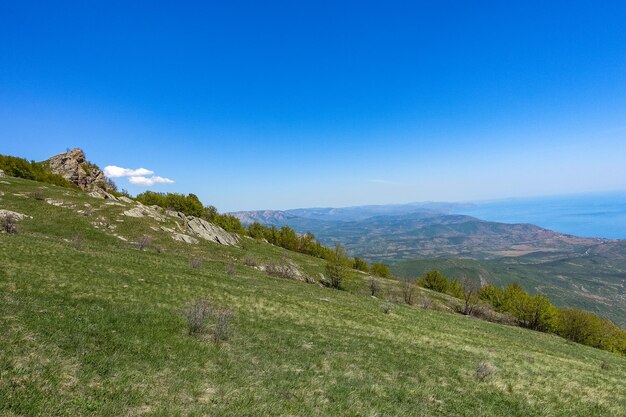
column 586, row 215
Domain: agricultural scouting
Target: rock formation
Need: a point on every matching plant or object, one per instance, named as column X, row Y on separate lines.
column 2, row 173
column 203, row 229
column 74, row 167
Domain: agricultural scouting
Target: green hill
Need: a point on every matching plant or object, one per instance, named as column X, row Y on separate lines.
column 93, row 325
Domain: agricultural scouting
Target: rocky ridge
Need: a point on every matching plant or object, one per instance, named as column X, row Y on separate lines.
column 74, row 167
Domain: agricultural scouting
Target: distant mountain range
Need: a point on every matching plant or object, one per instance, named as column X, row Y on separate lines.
column 413, row 238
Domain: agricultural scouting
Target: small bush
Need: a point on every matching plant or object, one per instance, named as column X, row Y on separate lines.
column 425, row 302
column 605, row 366
column 144, row 242
column 230, row 269
column 387, row 308
column 195, row 263
column 374, row 286
column 250, row 261
column 39, row 195
column 484, row 370
column 8, row 223
column 158, row 249
column 197, row 314
column 221, row 329
column 77, row 242
column 408, row 291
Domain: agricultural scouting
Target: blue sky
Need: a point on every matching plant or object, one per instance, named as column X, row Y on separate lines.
column 297, row 104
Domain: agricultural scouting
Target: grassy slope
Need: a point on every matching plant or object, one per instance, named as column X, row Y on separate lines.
column 593, row 283
column 98, row 331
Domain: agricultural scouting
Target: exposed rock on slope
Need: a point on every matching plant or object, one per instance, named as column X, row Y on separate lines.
column 203, row 229
column 74, row 167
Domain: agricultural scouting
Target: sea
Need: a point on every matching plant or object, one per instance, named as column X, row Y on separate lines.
column 586, row 215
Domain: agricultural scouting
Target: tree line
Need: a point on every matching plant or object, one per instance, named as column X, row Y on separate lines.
column 31, row 170
column 535, row 312
column 285, row 236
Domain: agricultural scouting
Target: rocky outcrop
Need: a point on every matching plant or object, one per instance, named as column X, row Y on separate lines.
column 145, row 211
column 74, row 167
column 203, row 229
column 14, row 214
column 2, row 174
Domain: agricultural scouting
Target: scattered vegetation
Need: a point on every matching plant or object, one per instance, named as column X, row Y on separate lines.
column 381, row 270
column 387, row 308
column 534, row 312
column 230, row 269
column 77, row 241
column 197, row 314
column 408, row 291
column 375, row 286
column 144, row 242
column 336, row 267
column 484, row 370
column 39, row 195
column 8, row 223
column 195, row 263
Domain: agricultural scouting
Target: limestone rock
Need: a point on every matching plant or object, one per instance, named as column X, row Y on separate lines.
column 203, row 229
column 14, row 214
column 144, row 211
column 74, row 167
column 184, row 238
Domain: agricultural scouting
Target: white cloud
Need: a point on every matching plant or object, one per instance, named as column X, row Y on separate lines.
column 113, row 171
column 148, row 181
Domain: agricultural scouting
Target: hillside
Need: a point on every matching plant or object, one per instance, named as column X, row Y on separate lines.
column 584, row 272
column 92, row 325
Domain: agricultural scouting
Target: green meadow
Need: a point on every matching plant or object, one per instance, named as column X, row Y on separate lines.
column 92, row 325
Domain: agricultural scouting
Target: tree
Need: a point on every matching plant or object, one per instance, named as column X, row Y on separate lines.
column 381, row 270
column 470, row 295
column 455, row 288
column 408, row 291
column 374, row 286
column 492, row 295
column 434, row 280
column 360, row 264
column 256, row 230
column 288, row 238
column 336, row 267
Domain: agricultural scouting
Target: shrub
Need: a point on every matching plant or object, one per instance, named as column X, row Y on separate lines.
column 484, row 370
column 387, row 308
column 336, row 267
column 195, row 263
column 425, row 302
column 434, row 280
column 230, row 269
column 77, row 241
column 469, row 293
column 144, row 242
column 360, row 265
column 221, row 328
column 8, row 223
column 39, row 195
column 374, row 286
column 605, row 366
column 381, row 270
column 408, row 291
column 250, row 261
column 197, row 314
